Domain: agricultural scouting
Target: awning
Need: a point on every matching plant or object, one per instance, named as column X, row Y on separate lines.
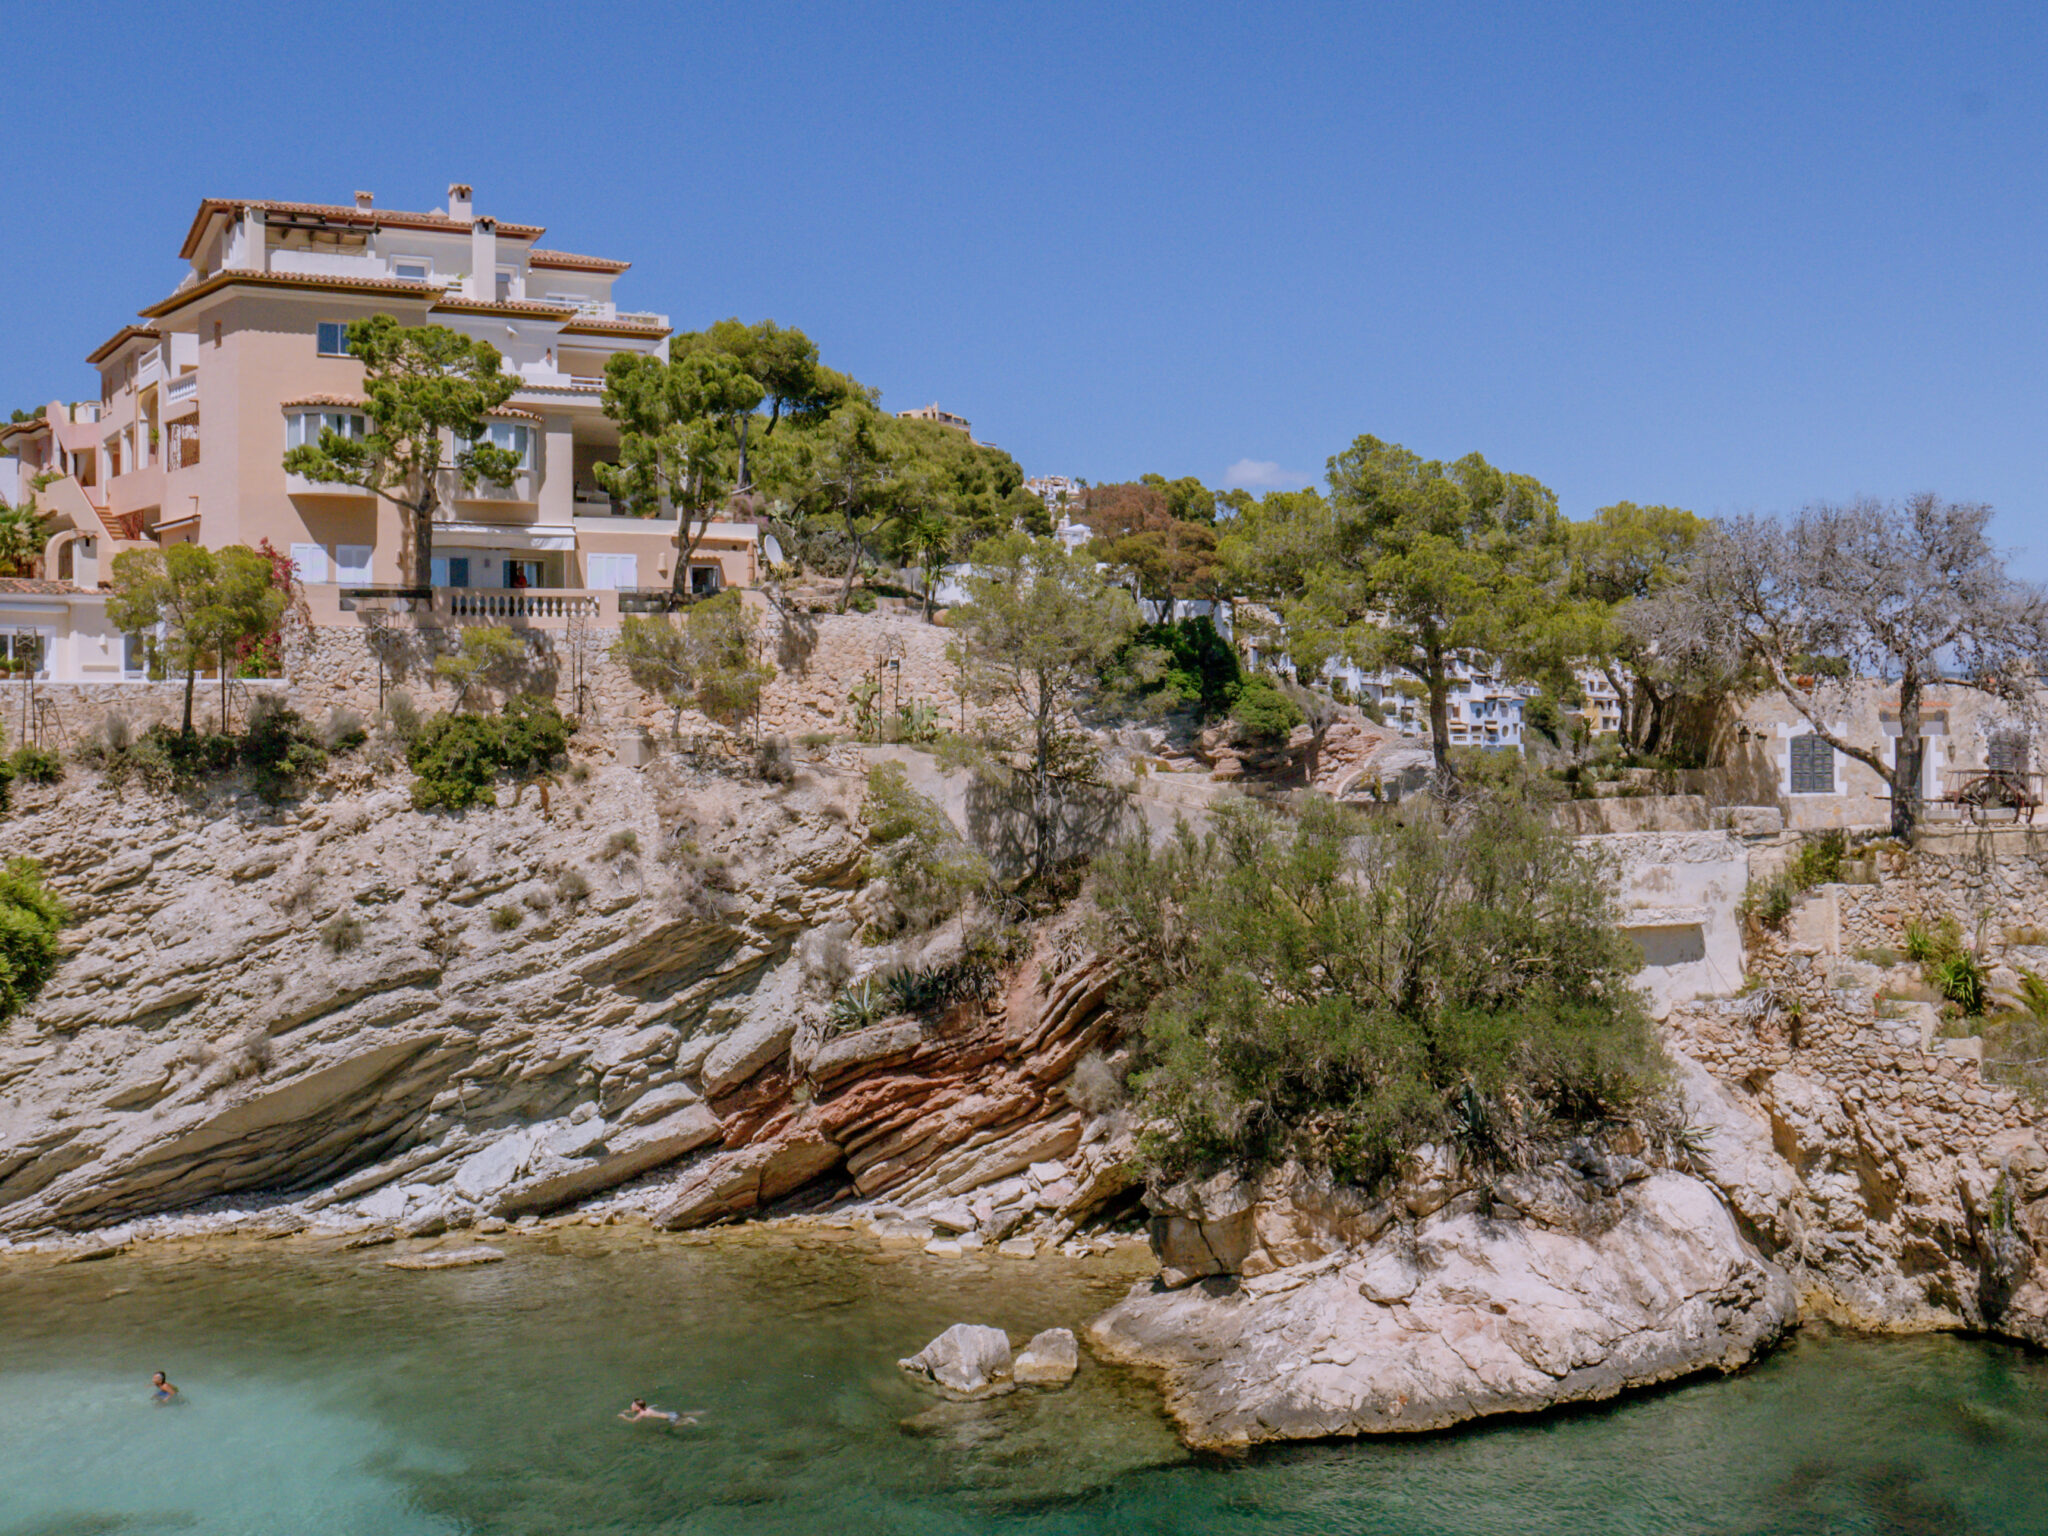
column 535, row 536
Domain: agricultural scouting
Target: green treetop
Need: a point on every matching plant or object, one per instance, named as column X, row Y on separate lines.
column 1039, row 627
column 681, row 428
column 1407, row 564
column 783, row 361
column 1624, row 559
column 21, row 540
column 422, row 381
column 205, row 602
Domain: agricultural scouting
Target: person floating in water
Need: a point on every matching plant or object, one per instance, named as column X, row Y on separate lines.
column 161, row 1388
column 638, row 1410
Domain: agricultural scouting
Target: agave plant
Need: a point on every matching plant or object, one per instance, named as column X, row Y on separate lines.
column 859, row 1005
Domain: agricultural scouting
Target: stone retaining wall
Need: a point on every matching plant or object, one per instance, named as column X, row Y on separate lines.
column 76, row 712
column 818, row 660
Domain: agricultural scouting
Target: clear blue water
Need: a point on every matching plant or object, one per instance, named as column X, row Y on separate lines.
column 328, row 1394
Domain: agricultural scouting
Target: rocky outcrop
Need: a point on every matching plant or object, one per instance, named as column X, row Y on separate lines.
column 1560, row 1292
column 349, row 1012
column 922, row 1115
column 1862, row 1153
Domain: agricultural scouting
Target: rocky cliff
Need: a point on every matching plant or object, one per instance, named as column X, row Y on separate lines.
column 1837, row 1159
column 350, row 1013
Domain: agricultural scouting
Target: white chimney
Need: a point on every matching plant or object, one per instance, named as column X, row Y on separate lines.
column 458, row 199
column 483, row 259
column 364, row 200
column 255, row 252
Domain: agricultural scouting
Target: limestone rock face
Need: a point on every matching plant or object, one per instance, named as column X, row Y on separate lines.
column 416, row 1021
column 966, row 1361
column 1569, row 1295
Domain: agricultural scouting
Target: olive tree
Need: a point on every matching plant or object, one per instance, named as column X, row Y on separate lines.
column 1912, row 592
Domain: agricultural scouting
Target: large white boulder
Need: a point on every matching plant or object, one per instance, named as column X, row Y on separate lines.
column 967, row 1360
column 1563, row 1292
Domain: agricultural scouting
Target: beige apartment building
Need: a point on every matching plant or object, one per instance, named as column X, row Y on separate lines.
column 246, row 357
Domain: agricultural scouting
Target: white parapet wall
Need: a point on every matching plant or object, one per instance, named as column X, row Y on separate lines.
column 1679, row 892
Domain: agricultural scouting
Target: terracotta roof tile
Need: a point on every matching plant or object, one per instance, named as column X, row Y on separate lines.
column 344, row 213
column 456, row 304
column 114, row 343
column 569, row 261
column 232, row 277
column 31, row 586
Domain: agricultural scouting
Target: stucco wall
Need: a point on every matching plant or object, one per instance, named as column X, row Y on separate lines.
column 1679, row 891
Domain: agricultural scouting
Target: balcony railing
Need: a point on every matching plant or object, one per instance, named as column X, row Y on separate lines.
column 518, row 603
column 182, row 388
column 521, row 488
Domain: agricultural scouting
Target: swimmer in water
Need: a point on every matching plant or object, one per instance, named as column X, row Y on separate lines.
column 638, row 1410
column 161, row 1388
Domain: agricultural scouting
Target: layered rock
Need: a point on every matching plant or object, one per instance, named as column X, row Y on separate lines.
column 1560, row 1292
column 350, row 1012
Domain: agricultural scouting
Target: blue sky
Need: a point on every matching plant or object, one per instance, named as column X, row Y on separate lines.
column 1730, row 257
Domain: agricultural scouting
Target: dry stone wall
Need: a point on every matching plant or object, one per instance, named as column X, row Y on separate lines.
column 818, row 660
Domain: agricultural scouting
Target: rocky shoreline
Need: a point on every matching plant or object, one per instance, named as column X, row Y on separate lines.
column 346, row 1025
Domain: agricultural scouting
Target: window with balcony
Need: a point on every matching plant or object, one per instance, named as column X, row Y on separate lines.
column 304, row 428
column 512, row 436
column 333, row 338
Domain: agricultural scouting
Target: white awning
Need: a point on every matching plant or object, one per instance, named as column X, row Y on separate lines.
column 537, row 536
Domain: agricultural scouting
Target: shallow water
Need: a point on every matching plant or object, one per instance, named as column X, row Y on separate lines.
column 328, row 1394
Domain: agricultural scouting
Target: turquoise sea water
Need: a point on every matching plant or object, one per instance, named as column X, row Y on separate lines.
column 326, row 1394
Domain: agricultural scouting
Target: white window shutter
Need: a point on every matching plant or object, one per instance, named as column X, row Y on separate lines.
column 352, row 563
column 311, row 559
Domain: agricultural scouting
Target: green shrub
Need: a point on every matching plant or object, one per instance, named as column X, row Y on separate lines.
column 929, row 867
column 457, row 758
column 38, row 765
column 1818, row 862
column 505, row 918
column 922, row 989
column 280, row 751
column 816, row 741
column 30, row 919
column 1960, row 977
column 621, row 843
column 344, row 730
column 1185, row 664
column 858, row 1006
column 862, row 601
column 572, row 885
column 1341, row 989
column 1262, row 713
